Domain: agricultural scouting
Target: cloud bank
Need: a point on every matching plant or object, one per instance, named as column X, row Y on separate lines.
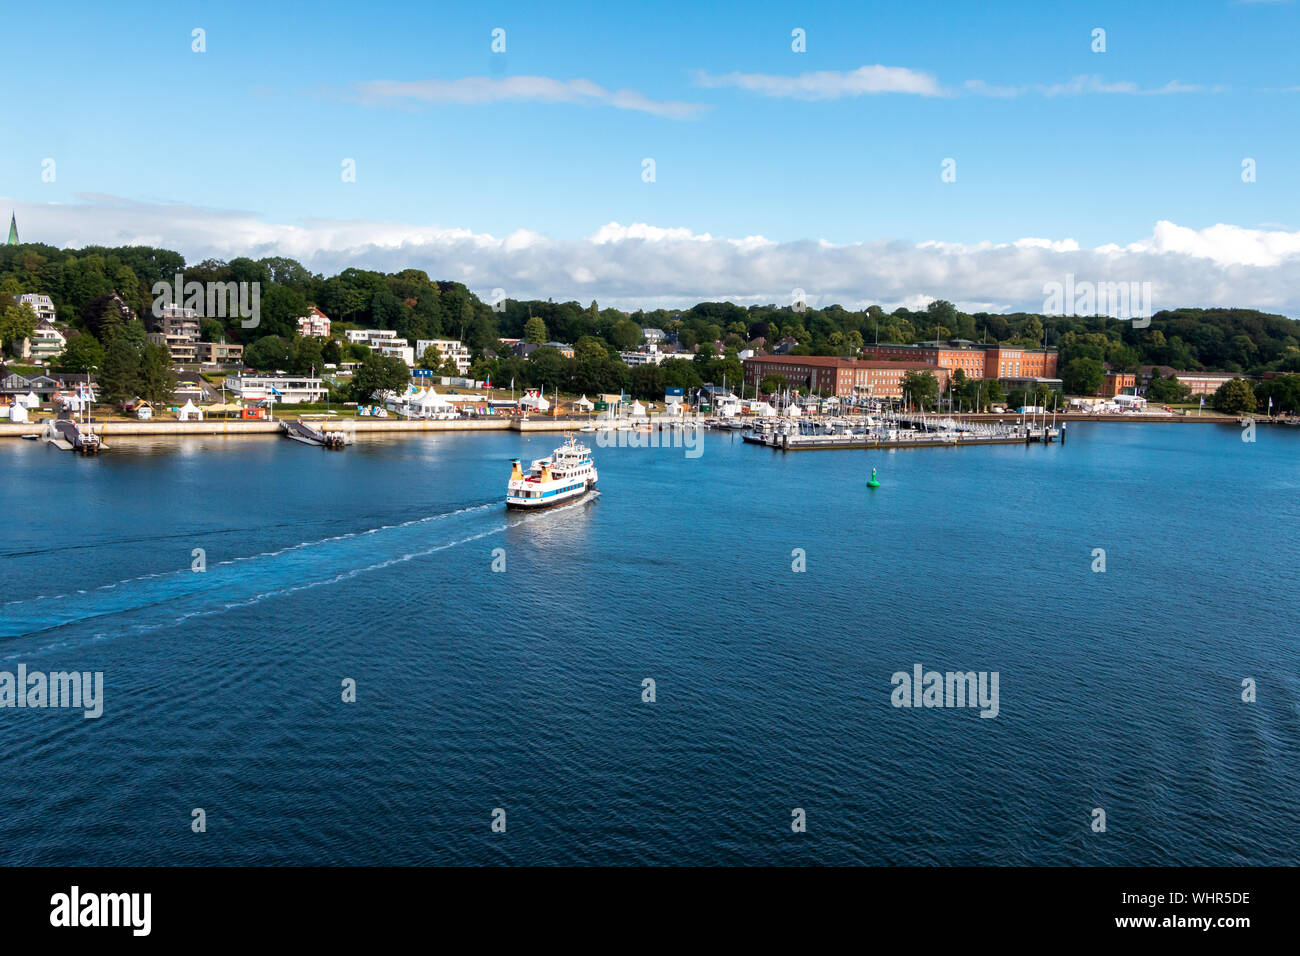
column 640, row 265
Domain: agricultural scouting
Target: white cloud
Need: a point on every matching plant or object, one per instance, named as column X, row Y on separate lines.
column 641, row 265
column 830, row 84
column 1086, row 85
column 481, row 90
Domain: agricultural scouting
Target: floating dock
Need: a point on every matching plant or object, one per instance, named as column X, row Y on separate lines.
column 896, row 433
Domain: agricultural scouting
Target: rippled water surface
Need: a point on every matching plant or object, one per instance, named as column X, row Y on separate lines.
column 522, row 689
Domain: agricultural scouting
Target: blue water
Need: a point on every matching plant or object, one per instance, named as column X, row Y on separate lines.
column 522, row 689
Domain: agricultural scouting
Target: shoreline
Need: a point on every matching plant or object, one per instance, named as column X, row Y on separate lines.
column 174, row 429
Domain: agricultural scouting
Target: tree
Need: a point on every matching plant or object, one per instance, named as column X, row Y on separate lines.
column 379, row 373
column 268, row 354
column 83, row 352
column 772, row 384
column 1166, row 390
column 626, row 335
column 920, row 389
column 120, row 379
column 1083, row 376
column 534, row 331
column 1234, row 397
column 157, row 380
column 17, row 324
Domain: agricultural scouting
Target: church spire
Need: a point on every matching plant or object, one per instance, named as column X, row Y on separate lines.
column 13, row 230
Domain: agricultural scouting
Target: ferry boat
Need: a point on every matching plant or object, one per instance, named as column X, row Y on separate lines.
column 567, row 474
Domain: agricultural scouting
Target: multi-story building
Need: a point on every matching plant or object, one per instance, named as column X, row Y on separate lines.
column 975, row 359
column 219, row 353
column 649, row 355
column 41, row 304
column 284, row 389
column 373, row 337
column 1118, row 383
column 448, row 349
column 46, row 343
column 397, row 350
column 315, row 324
column 183, row 349
column 177, row 328
column 845, row 378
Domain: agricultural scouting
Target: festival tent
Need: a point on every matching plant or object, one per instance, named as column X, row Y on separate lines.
column 584, row 405
column 190, row 412
column 638, row 410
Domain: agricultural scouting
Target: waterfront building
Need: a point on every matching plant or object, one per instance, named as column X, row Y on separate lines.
column 448, row 349
column 847, row 378
column 315, row 324
column 565, row 350
column 290, row 389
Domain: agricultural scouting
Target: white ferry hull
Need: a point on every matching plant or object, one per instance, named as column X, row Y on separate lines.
column 551, row 500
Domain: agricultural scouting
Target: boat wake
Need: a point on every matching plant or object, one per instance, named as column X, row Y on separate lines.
column 169, row 598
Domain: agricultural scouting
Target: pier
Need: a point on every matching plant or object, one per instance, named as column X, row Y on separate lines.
column 68, row 436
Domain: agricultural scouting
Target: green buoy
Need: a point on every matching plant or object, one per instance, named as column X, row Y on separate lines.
column 873, row 483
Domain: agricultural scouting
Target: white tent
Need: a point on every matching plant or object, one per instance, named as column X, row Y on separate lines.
column 638, row 410
column 534, row 401
column 585, row 404
column 17, row 414
column 428, row 404
column 190, row 412
column 30, row 400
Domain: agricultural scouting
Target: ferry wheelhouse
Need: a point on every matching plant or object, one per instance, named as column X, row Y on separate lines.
column 567, row 474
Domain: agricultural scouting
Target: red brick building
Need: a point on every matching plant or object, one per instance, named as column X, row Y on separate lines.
column 974, row 359
column 846, row 378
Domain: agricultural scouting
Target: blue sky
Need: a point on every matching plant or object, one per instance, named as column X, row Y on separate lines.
column 1050, row 138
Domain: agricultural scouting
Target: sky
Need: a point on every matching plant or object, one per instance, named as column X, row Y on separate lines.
column 910, row 151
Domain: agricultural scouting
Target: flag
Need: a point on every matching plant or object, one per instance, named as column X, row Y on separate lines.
column 489, row 381
column 1202, row 401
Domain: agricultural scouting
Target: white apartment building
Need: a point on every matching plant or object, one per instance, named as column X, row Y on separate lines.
column 650, row 355
column 373, row 337
column 402, row 351
column 448, row 348
column 42, row 305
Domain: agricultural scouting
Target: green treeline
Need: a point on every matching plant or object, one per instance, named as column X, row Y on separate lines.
column 90, row 285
